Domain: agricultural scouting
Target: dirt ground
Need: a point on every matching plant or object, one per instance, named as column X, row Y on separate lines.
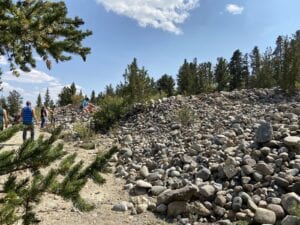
column 53, row 210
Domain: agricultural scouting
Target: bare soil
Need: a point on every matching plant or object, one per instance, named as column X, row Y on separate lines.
column 53, row 210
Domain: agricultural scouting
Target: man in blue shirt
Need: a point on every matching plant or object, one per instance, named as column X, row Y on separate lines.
column 28, row 118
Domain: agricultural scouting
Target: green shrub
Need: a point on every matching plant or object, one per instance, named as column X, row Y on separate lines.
column 83, row 131
column 185, row 116
column 110, row 112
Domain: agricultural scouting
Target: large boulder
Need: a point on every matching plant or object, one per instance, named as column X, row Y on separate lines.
column 291, row 203
column 264, row 133
column 182, row 194
column 290, row 220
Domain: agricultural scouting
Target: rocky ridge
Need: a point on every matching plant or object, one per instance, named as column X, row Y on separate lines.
column 237, row 158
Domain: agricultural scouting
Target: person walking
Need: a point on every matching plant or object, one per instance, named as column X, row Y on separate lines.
column 28, row 118
column 3, row 118
column 43, row 116
column 53, row 116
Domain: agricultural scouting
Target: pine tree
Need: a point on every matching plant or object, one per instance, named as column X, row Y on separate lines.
column 245, row 72
column 109, row 90
column 14, row 102
column 255, row 61
column 278, row 59
column 138, row 86
column 73, row 89
column 51, row 104
column 236, row 70
column 291, row 61
column 166, row 84
column 222, row 74
column 265, row 77
column 93, row 97
column 183, row 78
column 47, row 98
column 39, row 27
column 39, row 101
column 65, row 96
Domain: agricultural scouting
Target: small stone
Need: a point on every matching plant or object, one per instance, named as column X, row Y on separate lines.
column 204, row 174
column 177, row 208
column 144, row 171
column 220, row 200
column 143, row 184
column 198, row 208
column 277, row 209
column 156, row 190
column 237, row 203
column 162, row 208
column 281, row 182
column 264, row 169
column 293, row 142
column 207, row 190
column 120, row 207
column 229, row 168
column 264, row 216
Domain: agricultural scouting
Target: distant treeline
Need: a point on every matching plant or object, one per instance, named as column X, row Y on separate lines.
column 273, row 67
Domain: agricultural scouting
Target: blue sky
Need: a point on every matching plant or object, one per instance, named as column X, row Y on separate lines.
column 160, row 34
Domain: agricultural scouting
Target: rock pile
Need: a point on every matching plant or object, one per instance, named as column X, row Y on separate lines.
column 70, row 114
column 237, row 159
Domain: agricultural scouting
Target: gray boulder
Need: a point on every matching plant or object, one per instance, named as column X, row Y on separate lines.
column 182, row 194
column 264, row 133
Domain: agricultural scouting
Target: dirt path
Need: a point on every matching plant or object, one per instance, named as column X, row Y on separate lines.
column 53, row 210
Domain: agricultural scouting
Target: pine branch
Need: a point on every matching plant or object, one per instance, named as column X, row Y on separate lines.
column 9, row 132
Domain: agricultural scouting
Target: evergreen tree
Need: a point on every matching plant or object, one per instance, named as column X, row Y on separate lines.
column 80, row 93
column 93, row 97
column 65, row 96
column 245, row 72
column 109, row 90
column 39, row 27
column 255, row 61
column 278, row 59
column 14, row 102
column 236, row 70
column 205, row 78
column 73, row 89
column 47, row 98
column 291, row 61
column 222, row 74
column 138, row 86
column 39, row 101
column 51, row 104
column 183, row 78
column 166, row 84
column 265, row 77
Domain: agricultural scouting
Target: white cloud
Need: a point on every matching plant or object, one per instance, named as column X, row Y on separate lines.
column 161, row 14
column 3, row 60
column 8, row 87
column 32, row 77
column 234, row 9
column 54, row 90
column 32, row 84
